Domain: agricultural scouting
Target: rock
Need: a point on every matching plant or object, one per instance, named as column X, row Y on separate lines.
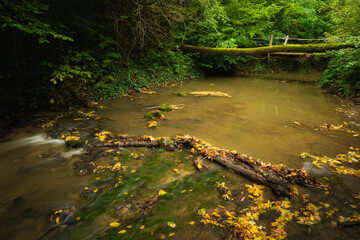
column 126, row 213
column 84, row 167
column 154, row 114
column 89, row 192
column 74, row 141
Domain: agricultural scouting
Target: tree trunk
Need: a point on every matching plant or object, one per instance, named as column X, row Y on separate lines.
column 303, row 48
column 278, row 177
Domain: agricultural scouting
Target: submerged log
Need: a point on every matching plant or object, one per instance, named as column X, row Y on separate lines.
column 298, row 48
column 278, row 177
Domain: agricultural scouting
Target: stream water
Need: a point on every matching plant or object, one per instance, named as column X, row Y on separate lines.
column 271, row 119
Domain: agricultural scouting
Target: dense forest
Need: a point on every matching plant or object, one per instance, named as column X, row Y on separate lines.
column 59, row 53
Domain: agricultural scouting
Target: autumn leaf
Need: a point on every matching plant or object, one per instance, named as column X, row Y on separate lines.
column 114, row 224
column 176, row 170
column 160, row 236
column 142, row 227
column 122, row 231
column 171, row 234
column 171, row 224
column 129, row 226
column 162, row 192
column 191, row 222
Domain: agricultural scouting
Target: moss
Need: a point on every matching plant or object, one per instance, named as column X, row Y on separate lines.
column 182, row 94
column 306, row 48
column 154, row 114
column 165, row 108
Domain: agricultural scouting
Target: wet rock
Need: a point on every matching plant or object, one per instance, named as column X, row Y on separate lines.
column 27, row 212
column 126, row 213
column 74, row 141
column 84, row 167
column 89, row 192
column 15, row 203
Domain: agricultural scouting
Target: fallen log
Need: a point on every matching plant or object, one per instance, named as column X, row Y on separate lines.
column 298, row 48
column 277, row 177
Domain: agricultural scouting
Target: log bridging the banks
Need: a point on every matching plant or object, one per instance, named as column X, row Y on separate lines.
column 290, row 48
column 277, row 177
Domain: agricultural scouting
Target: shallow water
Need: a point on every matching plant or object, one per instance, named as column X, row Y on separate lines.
column 37, row 177
column 257, row 120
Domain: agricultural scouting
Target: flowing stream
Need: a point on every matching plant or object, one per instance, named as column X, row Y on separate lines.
column 271, row 119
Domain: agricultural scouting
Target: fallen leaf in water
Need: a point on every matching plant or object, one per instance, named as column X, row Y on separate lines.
column 162, row 192
column 171, row 224
column 114, row 224
column 160, row 236
column 142, row 227
column 122, row 231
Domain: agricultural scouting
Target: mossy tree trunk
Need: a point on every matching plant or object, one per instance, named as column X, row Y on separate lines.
column 302, row 48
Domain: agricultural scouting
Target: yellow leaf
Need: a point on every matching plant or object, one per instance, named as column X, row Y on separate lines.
column 172, row 225
column 77, row 219
column 57, row 220
column 114, row 224
column 190, row 190
column 353, row 206
column 161, row 236
column 129, row 226
column 215, row 214
column 162, row 192
column 171, row 234
column 122, row 231
column 176, row 170
column 132, row 171
column 142, row 227
column 326, row 205
column 183, row 191
column 98, row 178
column 191, row 222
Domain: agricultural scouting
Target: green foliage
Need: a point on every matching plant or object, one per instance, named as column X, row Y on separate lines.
column 304, row 18
column 27, row 16
column 342, row 75
column 345, row 15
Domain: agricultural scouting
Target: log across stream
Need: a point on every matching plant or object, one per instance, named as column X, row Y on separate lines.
column 278, row 177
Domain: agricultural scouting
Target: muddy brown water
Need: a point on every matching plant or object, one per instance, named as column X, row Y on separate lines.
column 36, row 175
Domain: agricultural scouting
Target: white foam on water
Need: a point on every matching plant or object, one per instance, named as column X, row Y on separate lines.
column 70, row 153
column 38, row 139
